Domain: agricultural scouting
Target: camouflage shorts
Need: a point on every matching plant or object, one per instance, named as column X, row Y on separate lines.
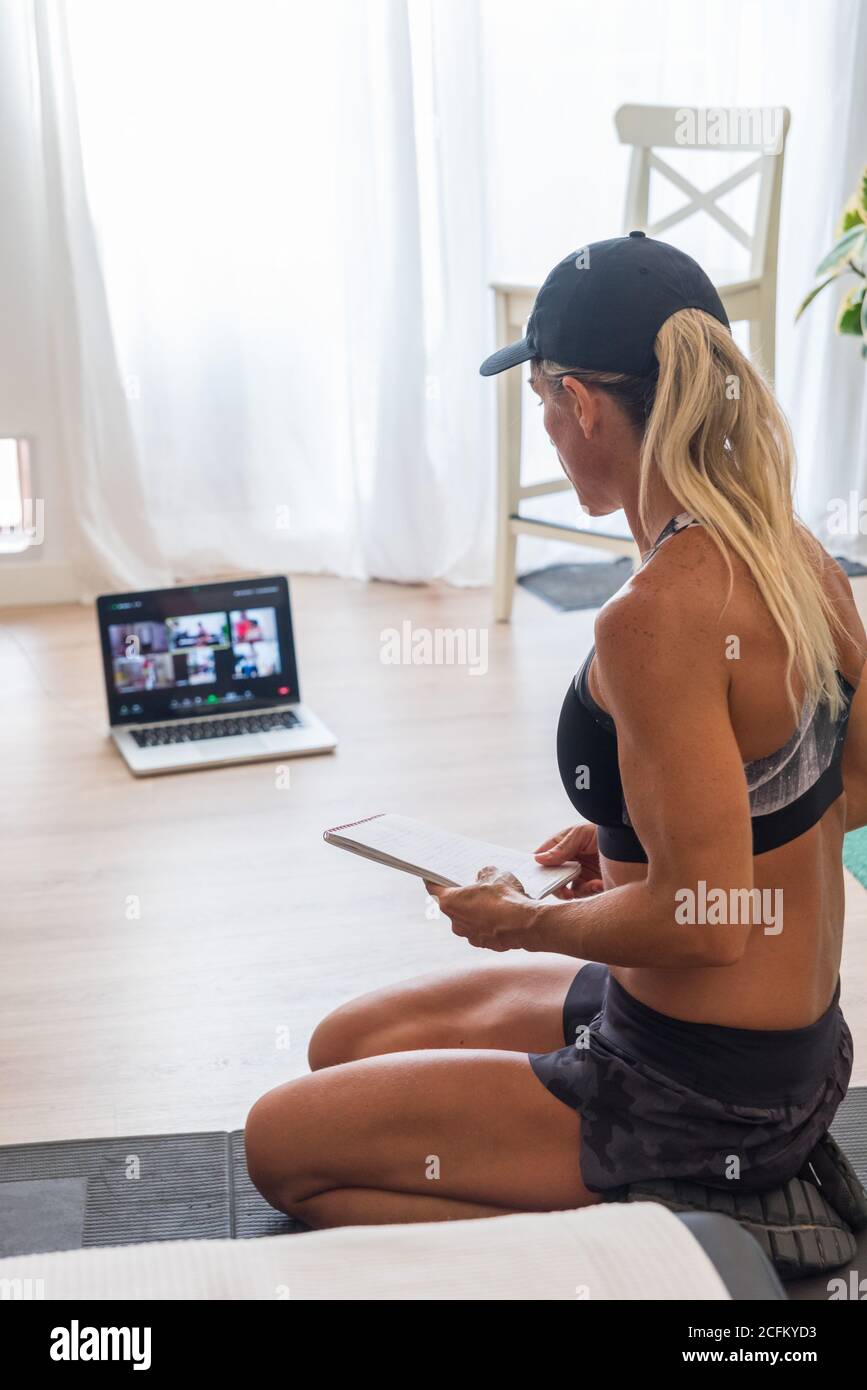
column 735, row 1108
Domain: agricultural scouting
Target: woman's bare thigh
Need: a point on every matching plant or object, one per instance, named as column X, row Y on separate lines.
column 468, row 1126
column 513, row 1005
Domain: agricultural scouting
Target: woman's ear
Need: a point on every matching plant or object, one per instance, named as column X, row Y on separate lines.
column 585, row 405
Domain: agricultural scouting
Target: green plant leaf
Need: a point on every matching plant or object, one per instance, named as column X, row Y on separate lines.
column 862, row 192
column 808, row 299
column 849, row 317
column 854, row 215
column 851, row 245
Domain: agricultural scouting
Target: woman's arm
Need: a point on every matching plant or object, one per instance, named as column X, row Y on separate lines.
column 663, row 674
column 855, row 761
column 853, row 651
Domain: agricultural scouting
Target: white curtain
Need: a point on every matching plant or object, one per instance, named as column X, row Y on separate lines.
column 115, row 538
column 273, row 228
column 822, row 376
column 297, row 309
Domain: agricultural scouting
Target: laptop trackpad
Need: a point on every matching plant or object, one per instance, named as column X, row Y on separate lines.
column 232, row 746
column 166, row 755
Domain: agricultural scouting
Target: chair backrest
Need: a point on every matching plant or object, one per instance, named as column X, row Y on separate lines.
column 762, row 130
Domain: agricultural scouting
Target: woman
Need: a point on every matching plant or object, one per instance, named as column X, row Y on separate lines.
column 716, row 740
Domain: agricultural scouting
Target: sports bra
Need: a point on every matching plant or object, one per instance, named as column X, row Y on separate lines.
column 789, row 790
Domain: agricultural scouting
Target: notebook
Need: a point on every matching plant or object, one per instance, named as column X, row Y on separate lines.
column 451, row 860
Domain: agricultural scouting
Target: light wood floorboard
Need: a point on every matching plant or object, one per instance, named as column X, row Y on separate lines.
column 250, row 924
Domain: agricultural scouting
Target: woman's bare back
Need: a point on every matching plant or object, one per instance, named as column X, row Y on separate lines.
column 787, row 974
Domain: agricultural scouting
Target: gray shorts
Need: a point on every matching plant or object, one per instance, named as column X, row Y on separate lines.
column 734, row 1108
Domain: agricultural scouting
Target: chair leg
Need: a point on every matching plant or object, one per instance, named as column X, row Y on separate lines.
column 762, row 336
column 504, row 572
column 508, row 489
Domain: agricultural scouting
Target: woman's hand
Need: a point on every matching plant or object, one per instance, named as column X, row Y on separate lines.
column 493, row 913
column 576, row 842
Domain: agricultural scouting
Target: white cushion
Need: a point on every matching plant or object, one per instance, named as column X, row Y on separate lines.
column 634, row 1251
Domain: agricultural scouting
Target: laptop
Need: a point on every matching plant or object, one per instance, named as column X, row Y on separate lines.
column 205, row 675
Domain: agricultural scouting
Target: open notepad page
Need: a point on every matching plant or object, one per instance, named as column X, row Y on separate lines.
column 440, row 857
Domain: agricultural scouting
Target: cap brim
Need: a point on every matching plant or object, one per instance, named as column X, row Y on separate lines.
column 510, row 356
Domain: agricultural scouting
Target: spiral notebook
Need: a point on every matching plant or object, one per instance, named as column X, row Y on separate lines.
column 441, row 857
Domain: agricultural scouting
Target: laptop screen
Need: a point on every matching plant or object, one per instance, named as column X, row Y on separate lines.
column 211, row 648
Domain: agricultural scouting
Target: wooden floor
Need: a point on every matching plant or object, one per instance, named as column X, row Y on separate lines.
column 250, row 926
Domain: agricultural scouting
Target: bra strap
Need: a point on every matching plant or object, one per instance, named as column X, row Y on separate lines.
column 671, row 528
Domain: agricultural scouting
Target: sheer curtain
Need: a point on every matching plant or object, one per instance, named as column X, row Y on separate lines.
column 297, row 311
column 275, row 224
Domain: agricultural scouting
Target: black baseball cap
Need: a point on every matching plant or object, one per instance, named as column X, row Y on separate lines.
column 602, row 307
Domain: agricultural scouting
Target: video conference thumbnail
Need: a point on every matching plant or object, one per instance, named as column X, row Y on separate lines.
column 203, row 630
column 254, row 643
column 200, row 649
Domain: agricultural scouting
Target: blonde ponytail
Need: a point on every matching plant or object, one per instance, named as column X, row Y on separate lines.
column 715, row 436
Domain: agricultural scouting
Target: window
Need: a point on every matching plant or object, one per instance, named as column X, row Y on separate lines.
column 20, row 514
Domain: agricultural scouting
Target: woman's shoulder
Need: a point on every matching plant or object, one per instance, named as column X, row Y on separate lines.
column 693, row 593
column 685, row 581
column 664, row 626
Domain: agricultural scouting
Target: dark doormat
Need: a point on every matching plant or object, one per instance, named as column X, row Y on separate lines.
column 121, row 1191
column 850, row 567
column 570, row 587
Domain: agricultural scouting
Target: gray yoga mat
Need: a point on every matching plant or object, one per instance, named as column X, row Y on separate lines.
column 120, row 1191
column 195, row 1186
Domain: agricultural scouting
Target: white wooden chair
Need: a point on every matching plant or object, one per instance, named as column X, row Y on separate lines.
column 648, row 129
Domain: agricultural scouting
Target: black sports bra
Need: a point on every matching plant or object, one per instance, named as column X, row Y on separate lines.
column 789, row 790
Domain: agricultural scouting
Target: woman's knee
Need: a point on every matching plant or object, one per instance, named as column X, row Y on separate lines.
column 259, row 1147
column 518, row 1008
column 275, row 1147
column 455, row 1008
column 364, row 1027
column 331, row 1040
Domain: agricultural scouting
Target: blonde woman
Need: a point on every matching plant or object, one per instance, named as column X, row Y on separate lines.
column 717, row 740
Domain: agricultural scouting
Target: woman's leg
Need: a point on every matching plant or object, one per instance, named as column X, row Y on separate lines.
column 516, row 1006
column 416, row 1136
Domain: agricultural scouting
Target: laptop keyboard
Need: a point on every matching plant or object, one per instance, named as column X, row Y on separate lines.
column 198, row 729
